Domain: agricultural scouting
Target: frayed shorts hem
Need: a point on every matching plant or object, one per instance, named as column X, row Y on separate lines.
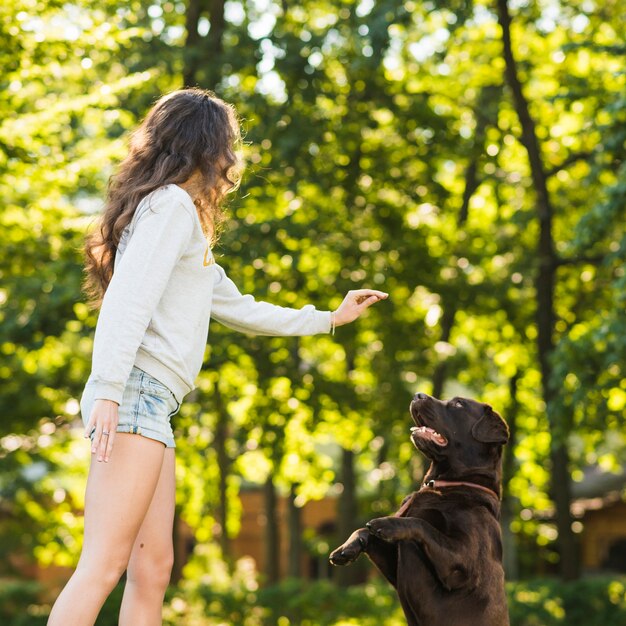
column 146, row 432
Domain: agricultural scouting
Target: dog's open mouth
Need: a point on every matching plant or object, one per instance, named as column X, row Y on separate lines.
column 423, row 432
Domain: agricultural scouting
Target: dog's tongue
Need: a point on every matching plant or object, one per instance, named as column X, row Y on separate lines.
column 429, row 433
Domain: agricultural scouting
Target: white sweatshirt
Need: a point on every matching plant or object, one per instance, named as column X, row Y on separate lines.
column 165, row 288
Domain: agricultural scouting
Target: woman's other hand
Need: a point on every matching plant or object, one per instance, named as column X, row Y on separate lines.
column 355, row 303
column 103, row 423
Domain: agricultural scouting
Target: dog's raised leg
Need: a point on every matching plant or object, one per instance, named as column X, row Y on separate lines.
column 350, row 551
column 442, row 551
column 384, row 555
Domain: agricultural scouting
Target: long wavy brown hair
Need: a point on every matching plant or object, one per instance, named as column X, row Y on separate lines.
column 189, row 134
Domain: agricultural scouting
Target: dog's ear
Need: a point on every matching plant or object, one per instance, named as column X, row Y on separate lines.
column 490, row 428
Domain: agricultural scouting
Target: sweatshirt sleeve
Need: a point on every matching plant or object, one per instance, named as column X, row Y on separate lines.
column 247, row 315
column 158, row 240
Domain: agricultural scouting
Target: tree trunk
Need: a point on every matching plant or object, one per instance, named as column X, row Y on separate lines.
column 224, row 464
column 486, row 115
column 295, row 536
column 447, row 323
column 347, row 513
column 511, row 564
column 215, row 44
column 544, row 285
column 272, row 536
column 192, row 41
column 204, row 53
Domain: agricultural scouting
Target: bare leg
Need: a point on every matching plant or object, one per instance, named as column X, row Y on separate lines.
column 151, row 560
column 118, row 496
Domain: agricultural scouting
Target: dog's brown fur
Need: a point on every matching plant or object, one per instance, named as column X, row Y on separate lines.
column 442, row 550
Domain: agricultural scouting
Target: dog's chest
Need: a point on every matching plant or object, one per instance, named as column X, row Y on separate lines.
column 428, row 506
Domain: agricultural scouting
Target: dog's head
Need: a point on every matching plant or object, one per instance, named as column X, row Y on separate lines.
column 463, row 432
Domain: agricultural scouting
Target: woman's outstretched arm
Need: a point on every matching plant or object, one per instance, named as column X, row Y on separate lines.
column 256, row 317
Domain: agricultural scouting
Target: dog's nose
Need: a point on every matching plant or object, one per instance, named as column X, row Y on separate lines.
column 420, row 396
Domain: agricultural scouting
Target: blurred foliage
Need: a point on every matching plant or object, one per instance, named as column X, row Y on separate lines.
column 592, row 602
column 383, row 150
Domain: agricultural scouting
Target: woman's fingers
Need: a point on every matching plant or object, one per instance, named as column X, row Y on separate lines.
column 368, row 302
column 109, row 446
column 355, row 302
column 89, row 428
column 102, row 423
column 103, row 442
column 360, row 295
column 95, row 440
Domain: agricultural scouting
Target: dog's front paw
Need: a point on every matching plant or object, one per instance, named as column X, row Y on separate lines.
column 385, row 528
column 350, row 550
column 344, row 555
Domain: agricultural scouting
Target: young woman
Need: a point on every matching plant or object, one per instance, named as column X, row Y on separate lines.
column 150, row 269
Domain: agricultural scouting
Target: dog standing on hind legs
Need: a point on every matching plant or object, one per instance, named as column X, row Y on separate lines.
column 442, row 550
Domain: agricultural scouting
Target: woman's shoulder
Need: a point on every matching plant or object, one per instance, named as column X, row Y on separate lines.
column 165, row 199
column 168, row 198
column 173, row 190
column 170, row 195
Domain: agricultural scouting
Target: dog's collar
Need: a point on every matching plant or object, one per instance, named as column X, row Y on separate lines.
column 436, row 484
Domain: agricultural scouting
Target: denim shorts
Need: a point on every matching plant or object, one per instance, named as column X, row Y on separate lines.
column 146, row 409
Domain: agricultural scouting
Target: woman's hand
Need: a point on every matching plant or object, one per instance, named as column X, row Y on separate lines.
column 355, row 303
column 103, row 423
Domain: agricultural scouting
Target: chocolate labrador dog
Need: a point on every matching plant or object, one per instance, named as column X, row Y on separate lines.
column 442, row 550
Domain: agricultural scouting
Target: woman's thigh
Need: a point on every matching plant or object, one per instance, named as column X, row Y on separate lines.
column 153, row 546
column 117, row 499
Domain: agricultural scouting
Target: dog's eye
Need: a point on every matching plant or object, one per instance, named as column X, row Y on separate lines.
column 458, row 404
